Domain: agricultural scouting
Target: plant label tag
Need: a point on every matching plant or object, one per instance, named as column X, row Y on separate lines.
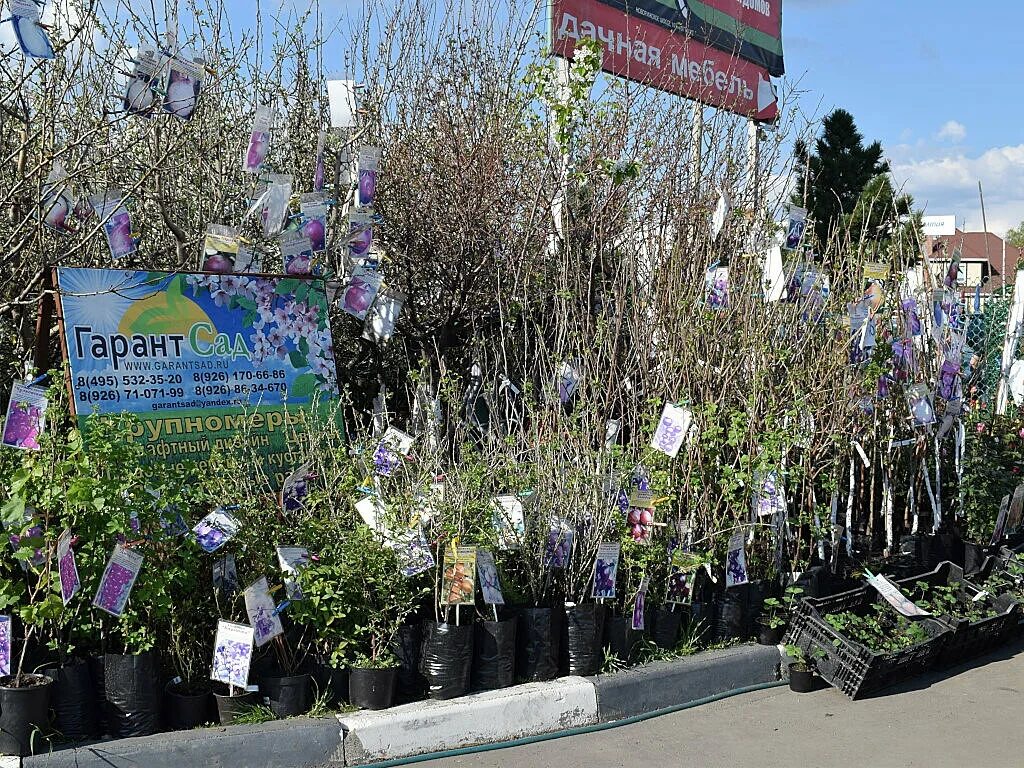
column 26, row 417
column 606, row 568
column 216, row 529
column 639, row 605
column 361, row 291
column 736, row 562
column 263, row 616
column 458, row 587
column 5, row 645
column 225, row 576
column 341, row 97
column 292, row 560
column 118, row 579
column 70, row 584
column 892, row 595
column 672, row 429
column 487, row 572
column 232, row 653
column 508, row 518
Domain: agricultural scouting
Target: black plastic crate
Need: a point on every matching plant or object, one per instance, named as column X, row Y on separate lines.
column 849, row 666
column 969, row 639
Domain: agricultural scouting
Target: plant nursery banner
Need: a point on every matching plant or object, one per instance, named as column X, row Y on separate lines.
column 683, row 47
column 201, row 359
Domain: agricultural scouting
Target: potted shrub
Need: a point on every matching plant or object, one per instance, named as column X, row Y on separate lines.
column 25, row 697
column 801, row 669
column 188, row 702
column 387, row 598
column 287, row 688
column 775, row 616
column 328, row 594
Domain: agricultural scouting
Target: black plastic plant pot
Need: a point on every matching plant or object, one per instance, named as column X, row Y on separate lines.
column 447, row 658
column 73, row 700
column 801, row 678
column 97, row 673
column 666, row 627
column 187, row 706
column 583, row 637
column 407, row 646
column 229, row 707
column 24, row 714
column 329, row 682
column 287, row 695
column 494, row 654
column 537, row 645
column 133, row 694
column 372, row 688
column 771, row 635
column 621, row 639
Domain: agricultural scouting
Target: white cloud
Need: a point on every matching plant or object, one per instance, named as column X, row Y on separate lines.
column 948, row 184
column 952, row 131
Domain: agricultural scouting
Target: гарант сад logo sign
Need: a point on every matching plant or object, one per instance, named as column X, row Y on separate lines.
column 199, row 358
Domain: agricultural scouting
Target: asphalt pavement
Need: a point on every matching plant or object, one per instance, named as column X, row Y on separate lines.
column 970, row 716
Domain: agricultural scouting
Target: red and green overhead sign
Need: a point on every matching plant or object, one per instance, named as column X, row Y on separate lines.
column 720, row 52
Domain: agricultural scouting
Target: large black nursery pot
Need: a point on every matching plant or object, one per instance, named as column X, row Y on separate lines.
column 187, row 705
column 97, row 672
column 407, row 647
column 771, row 635
column 73, row 700
column 329, row 681
column 801, row 678
column 583, row 637
column 622, row 639
column 372, row 688
column 739, row 608
column 287, row 695
column 230, row 706
column 494, row 654
column 668, row 621
column 537, row 644
column 447, row 658
column 24, row 714
column 133, row 693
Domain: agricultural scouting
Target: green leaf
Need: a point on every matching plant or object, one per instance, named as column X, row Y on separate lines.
column 303, row 387
column 287, row 286
column 298, row 359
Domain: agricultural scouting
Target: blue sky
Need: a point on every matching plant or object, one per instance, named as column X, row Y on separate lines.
column 938, row 83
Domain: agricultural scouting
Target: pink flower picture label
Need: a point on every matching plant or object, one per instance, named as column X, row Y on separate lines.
column 118, row 579
column 26, row 417
column 5, row 645
column 361, row 291
column 70, row 584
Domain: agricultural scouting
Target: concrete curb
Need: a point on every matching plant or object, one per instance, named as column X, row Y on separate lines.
column 674, row 683
column 360, row 738
column 481, row 718
column 297, row 743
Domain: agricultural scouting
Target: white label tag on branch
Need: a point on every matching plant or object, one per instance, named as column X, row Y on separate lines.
column 341, row 95
column 718, row 218
column 863, row 455
column 895, row 598
column 672, row 429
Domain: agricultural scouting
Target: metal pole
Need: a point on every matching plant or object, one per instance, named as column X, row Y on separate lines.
column 697, row 142
column 753, row 161
column 984, row 225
